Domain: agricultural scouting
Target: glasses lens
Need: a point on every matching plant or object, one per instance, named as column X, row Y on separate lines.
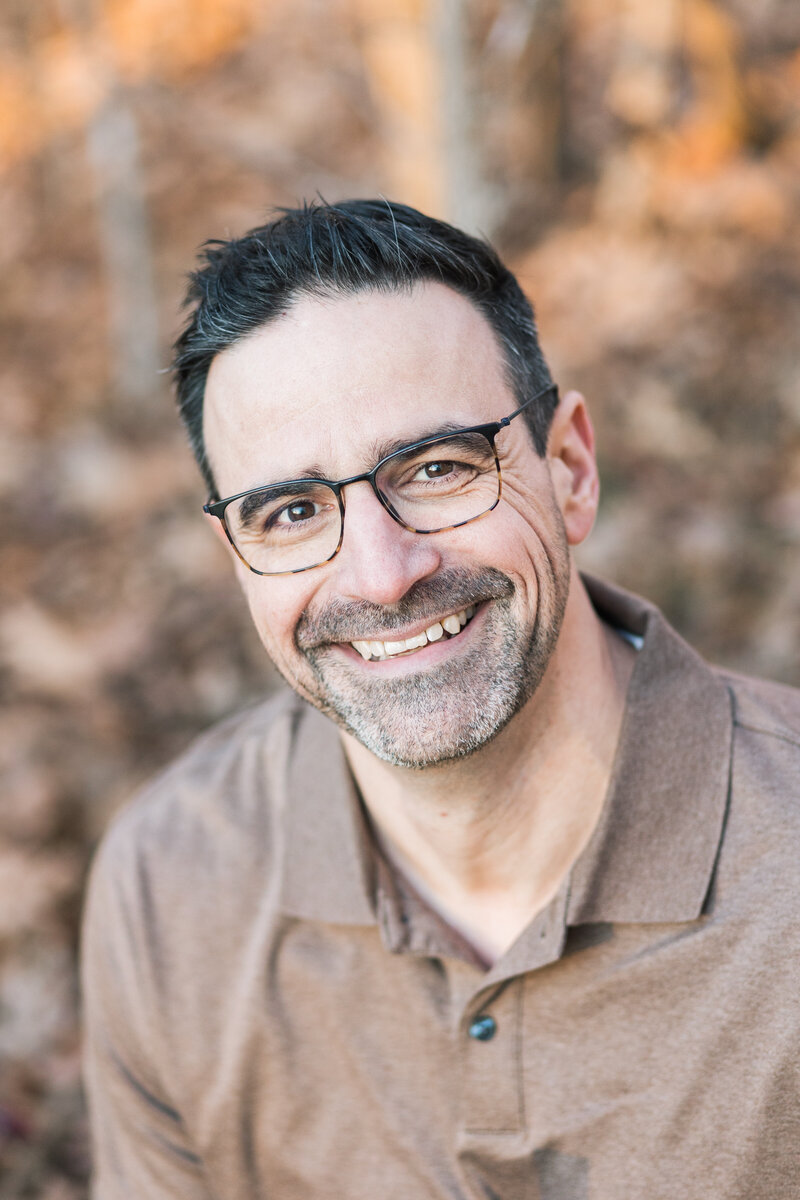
column 444, row 483
column 285, row 528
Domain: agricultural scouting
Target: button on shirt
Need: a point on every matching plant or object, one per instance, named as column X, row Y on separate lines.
column 272, row 1011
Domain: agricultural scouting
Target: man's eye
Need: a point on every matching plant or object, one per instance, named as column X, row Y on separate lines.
column 436, row 470
column 300, row 510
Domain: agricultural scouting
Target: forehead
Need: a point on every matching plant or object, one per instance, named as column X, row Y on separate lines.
column 324, row 384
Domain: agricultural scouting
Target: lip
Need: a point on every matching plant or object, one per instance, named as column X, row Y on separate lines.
column 397, row 635
column 425, row 656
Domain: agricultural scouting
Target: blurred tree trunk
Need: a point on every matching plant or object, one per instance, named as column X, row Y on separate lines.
column 521, row 60
column 123, row 227
column 402, row 68
column 469, row 99
column 470, row 201
column 125, row 240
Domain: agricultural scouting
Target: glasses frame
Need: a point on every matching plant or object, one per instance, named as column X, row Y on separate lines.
column 490, row 430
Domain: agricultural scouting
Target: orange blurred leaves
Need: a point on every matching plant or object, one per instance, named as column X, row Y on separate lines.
column 399, row 55
column 715, row 123
column 171, row 37
column 67, row 74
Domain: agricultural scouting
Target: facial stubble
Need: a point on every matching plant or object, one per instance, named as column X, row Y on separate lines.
column 436, row 715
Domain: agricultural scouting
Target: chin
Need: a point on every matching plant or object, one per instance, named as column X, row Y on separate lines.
column 437, row 717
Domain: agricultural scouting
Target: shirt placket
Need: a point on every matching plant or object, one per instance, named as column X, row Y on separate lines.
column 493, row 1142
column 491, row 1055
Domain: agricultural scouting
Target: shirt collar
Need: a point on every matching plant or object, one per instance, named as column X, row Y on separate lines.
column 652, row 855
column 328, row 868
column 653, row 852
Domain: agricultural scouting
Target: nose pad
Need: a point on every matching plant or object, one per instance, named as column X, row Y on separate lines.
column 388, row 507
column 380, row 559
column 374, row 510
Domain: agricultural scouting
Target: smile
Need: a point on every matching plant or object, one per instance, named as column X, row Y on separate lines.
column 446, row 627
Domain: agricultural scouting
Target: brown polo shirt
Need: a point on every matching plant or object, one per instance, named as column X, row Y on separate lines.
column 271, row 1013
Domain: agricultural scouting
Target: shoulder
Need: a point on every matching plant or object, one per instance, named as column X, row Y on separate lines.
column 762, row 707
column 183, row 880
column 213, row 810
column 763, row 824
column 186, row 875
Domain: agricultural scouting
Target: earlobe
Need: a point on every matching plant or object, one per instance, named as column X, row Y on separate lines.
column 573, row 466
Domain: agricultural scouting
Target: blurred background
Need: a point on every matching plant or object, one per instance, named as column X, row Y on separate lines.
column 637, row 162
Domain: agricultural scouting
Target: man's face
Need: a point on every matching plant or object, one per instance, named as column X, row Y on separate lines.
column 324, row 390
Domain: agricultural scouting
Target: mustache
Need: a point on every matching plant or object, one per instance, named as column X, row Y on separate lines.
column 449, row 591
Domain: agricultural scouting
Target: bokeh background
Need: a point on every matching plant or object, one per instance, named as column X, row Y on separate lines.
column 638, row 162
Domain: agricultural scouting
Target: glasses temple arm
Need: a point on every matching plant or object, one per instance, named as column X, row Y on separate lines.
column 539, row 395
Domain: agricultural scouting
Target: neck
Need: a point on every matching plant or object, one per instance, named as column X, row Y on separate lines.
column 487, row 840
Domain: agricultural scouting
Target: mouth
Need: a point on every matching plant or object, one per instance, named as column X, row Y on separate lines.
column 444, row 629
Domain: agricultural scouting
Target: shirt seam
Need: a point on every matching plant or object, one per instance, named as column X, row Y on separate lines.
column 520, row 1081
column 774, row 733
column 470, row 1129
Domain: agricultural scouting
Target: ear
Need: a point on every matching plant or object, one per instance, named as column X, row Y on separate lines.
column 573, row 469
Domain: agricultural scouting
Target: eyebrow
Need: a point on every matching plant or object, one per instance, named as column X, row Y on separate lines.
column 382, row 449
column 377, row 452
column 253, row 500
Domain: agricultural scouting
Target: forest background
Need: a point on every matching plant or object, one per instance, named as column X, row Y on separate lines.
column 637, row 162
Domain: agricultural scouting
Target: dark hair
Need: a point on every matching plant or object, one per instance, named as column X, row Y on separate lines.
column 329, row 249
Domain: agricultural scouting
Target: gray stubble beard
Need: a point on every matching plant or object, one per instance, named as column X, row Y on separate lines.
column 437, row 716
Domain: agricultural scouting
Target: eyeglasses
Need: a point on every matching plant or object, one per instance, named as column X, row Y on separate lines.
column 431, row 486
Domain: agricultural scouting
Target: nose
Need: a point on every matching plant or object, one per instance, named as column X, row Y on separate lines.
column 380, row 560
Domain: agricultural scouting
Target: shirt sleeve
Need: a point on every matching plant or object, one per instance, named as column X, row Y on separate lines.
column 140, row 1146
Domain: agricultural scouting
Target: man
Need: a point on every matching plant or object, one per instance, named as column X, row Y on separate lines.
column 499, row 900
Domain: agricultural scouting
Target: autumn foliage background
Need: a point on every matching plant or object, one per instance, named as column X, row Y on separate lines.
column 638, row 162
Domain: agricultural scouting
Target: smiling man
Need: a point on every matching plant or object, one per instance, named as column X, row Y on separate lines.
column 498, row 898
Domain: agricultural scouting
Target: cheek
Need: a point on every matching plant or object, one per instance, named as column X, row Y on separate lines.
column 274, row 613
column 533, row 519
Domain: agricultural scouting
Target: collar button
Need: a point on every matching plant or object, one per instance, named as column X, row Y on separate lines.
column 483, row 1029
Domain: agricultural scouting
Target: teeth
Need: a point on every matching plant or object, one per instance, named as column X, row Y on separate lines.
column 452, row 624
column 414, row 643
